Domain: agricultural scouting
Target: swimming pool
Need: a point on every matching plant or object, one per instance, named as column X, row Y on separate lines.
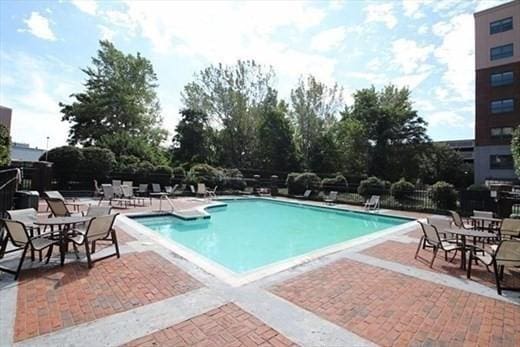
column 249, row 234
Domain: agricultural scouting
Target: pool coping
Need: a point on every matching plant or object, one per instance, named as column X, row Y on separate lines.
column 235, row 279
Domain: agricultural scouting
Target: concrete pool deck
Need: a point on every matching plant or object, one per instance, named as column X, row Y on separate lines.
column 374, row 293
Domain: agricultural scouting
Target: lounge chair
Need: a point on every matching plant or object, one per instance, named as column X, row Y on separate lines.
column 510, row 229
column 373, row 203
column 432, row 239
column 507, row 254
column 128, row 195
column 212, row 193
column 20, row 238
column 305, row 195
column 201, row 190
column 264, row 191
column 96, row 211
column 192, row 190
column 58, row 208
column 143, row 189
column 331, row 198
column 459, row 223
column 156, row 188
column 108, row 193
column 98, row 192
column 98, row 228
column 129, row 184
column 171, row 190
column 54, row 194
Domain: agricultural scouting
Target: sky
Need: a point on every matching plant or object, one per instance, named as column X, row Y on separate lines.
column 426, row 45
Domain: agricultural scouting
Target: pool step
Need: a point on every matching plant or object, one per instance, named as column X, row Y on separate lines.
column 191, row 214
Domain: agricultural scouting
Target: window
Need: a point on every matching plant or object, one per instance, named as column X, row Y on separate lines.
column 501, row 162
column 501, row 52
column 502, row 106
column 502, row 133
column 501, row 78
column 501, row 25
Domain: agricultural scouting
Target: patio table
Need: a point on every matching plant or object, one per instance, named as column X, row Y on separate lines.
column 480, row 221
column 463, row 233
column 64, row 225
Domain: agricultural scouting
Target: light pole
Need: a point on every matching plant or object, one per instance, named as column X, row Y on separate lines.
column 47, row 149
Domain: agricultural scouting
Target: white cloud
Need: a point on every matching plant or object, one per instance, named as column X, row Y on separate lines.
column 441, row 28
column 38, row 25
column 412, row 9
column 446, row 118
column 381, row 13
column 87, row 6
column 106, row 33
column 423, row 29
column 456, row 53
column 409, row 55
column 411, row 81
column 328, row 39
column 485, row 4
column 374, row 64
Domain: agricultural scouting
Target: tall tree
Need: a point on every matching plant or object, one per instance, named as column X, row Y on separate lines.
column 395, row 133
column 233, row 97
column 515, row 149
column 352, row 146
column 119, row 98
column 442, row 163
column 314, row 109
column 191, row 143
column 276, row 151
column 5, row 143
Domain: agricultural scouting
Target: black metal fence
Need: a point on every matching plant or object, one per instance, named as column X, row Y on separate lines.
column 8, row 187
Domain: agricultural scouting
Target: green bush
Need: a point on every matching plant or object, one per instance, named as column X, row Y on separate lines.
column 97, row 163
column 401, row 190
column 204, row 173
column 443, row 195
column 5, row 143
column 67, row 161
column 179, row 174
column 338, row 183
column 290, row 181
column 304, row 181
column 371, row 186
column 233, row 179
column 145, row 169
column 162, row 174
column 478, row 188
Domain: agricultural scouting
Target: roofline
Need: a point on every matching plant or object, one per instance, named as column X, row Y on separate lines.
column 499, row 7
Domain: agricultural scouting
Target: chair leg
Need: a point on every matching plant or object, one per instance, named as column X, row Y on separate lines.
column 502, row 272
column 435, row 250
column 93, row 247
column 419, row 247
column 497, row 279
column 4, row 246
column 115, row 242
column 21, row 262
column 446, row 255
column 87, row 251
column 454, row 255
column 49, row 253
column 468, row 274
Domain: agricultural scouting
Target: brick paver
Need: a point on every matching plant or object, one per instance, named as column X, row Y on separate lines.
column 390, row 309
column 52, row 299
column 227, row 325
column 404, row 253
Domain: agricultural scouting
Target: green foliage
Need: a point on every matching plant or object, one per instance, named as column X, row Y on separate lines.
column 478, row 188
column 515, row 149
column 442, row 163
column 402, row 189
column 233, row 179
column 443, row 195
column 5, row 143
column 204, row 173
column 314, row 107
column 323, row 154
column 297, row 184
column 67, row 162
column 276, row 150
column 371, row 186
column 338, row 183
column 145, row 169
column 97, row 162
column 191, row 142
column 122, row 144
column 352, row 146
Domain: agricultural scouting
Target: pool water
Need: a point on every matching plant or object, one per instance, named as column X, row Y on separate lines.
column 251, row 233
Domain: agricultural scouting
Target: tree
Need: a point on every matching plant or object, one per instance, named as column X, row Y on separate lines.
column 442, row 163
column 276, row 150
column 97, row 162
column 67, row 161
column 314, row 109
column 395, row 133
column 124, row 144
column 119, row 99
column 324, row 154
column 191, row 143
column 352, row 146
column 5, row 143
column 515, row 149
column 233, row 97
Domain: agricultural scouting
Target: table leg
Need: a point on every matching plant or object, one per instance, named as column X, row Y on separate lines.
column 463, row 257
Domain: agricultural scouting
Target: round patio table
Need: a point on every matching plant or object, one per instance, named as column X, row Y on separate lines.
column 64, row 224
column 480, row 221
column 463, row 233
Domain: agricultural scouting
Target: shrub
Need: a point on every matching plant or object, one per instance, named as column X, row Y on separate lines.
column 5, row 142
column 338, row 183
column 478, row 188
column 443, row 195
column 97, row 163
column 304, row 181
column 66, row 161
column 290, row 182
column 163, row 175
column 233, row 179
column 126, row 164
column 402, row 189
column 179, row 174
column 204, row 173
column 145, row 168
column 371, row 186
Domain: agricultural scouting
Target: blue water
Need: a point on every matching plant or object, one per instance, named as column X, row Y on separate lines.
column 251, row 233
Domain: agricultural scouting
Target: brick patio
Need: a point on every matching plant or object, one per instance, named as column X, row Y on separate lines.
column 52, row 299
column 391, row 309
column 227, row 325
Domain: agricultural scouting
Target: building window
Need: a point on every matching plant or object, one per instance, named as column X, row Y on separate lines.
column 501, row 25
column 501, row 52
column 501, row 78
column 501, row 162
column 502, row 106
column 502, row 133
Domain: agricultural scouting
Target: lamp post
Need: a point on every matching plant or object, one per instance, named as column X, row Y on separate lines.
column 47, row 149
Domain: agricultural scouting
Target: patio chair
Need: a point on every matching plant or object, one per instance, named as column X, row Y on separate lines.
column 20, row 238
column 143, row 189
column 192, row 190
column 442, row 224
column 373, row 203
column 212, row 193
column 458, row 222
column 98, row 192
column 59, row 208
column 129, row 184
column 307, row 193
column 331, row 198
column 507, row 254
column 27, row 216
column 54, row 194
column 201, row 189
column 510, row 228
column 98, row 228
column 96, row 211
column 432, row 239
column 128, row 196
column 156, row 188
column 171, row 191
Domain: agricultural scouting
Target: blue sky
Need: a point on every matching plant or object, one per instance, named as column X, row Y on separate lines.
column 427, row 45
